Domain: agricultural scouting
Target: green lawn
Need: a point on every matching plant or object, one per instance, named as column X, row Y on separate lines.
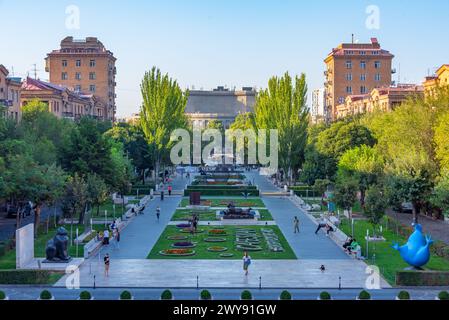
column 223, row 202
column 109, row 207
column 8, row 261
column 210, row 215
column 387, row 259
column 201, row 248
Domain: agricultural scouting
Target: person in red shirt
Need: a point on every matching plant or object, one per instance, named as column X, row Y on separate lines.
column 169, row 190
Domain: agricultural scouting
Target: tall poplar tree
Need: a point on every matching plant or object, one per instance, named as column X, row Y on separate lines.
column 162, row 112
column 283, row 106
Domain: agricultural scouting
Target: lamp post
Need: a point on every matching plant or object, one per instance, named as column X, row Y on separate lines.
column 367, row 243
column 77, row 241
column 105, row 218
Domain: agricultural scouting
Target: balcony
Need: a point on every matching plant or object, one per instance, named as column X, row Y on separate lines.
column 393, row 71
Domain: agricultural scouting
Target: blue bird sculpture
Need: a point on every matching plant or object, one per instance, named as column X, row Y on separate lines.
column 416, row 252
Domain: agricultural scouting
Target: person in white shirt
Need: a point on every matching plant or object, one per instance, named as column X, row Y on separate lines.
column 106, row 237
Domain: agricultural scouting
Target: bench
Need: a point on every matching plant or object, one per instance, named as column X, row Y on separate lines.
column 92, row 247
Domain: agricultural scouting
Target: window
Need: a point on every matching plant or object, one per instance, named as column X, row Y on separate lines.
column 377, row 77
column 78, row 76
column 92, row 88
column 92, row 76
column 64, row 76
column 363, row 90
column 78, row 63
column 349, row 64
column 349, row 77
column 78, row 88
column 92, row 63
column 363, row 64
column 363, row 53
column 349, row 90
column 377, row 64
column 363, row 77
column 64, row 63
column 341, row 100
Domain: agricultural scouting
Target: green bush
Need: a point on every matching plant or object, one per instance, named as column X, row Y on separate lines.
column 2, row 295
column 25, row 276
column 221, row 192
column 205, row 295
column 285, row 295
column 404, row 295
column 166, row 295
column 443, row 295
column 325, row 295
column 46, row 295
column 246, row 295
column 85, row 295
column 125, row 295
column 364, row 295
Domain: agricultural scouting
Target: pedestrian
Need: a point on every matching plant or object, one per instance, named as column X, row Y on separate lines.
column 322, row 268
column 158, row 213
column 117, row 238
column 169, row 190
column 162, row 195
column 296, row 224
column 106, row 237
column 321, row 224
column 246, row 262
column 107, row 262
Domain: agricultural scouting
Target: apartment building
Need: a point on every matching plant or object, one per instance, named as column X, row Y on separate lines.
column 10, row 94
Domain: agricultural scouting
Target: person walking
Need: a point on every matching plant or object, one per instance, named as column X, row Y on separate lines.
column 246, row 262
column 169, row 190
column 158, row 213
column 162, row 195
column 107, row 262
column 296, row 224
column 117, row 238
column 321, row 224
column 106, row 237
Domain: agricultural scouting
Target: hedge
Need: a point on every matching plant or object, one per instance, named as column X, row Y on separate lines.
column 422, row 278
column 25, row 276
column 221, row 192
column 223, row 187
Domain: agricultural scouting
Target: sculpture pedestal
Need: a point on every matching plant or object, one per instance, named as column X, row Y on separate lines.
column 53, row 266
column 57, row 261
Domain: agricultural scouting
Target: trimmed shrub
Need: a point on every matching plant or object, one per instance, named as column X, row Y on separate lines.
column 125, row 295
column 205, row 295
column 246, row 295
column 46, row 295
column 325, row 295
column 85, row 295
column 364, row 295
column 2, row 295
column 25, row 276
column 285, row 295
column 404, row 295
column 166, row 295
column 443, row 295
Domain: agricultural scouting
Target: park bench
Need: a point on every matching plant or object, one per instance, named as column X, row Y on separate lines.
column 92, row 247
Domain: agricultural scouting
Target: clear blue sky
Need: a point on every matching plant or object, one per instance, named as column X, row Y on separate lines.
column 233, row 43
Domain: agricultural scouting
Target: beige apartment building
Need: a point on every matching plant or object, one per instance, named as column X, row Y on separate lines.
column 384, row 99
column 63, row 102
column 355, row 69
column 10, row 94
column 440, row 79
column 85, row 66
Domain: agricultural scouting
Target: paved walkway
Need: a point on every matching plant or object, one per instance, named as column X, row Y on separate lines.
column 306, row 244
column 225, row 274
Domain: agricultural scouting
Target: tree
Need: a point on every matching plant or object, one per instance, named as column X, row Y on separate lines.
column 342, row 136
column 375, row 204
column 88, row 151
column 75, row 198
column 283, row 106
column 162, row 111
column 97, row 191
column 346, row 195
column 442, row 141
column 440, row 195
column 363, row 164
column 321, row 185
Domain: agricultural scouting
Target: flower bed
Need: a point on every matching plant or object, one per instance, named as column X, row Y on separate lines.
column 217, row 249
column 177, row 238
column 226, row 255
column 217, row 232
column 186, row 244
column 183, row 225
column 215, row 240
column 177, row 252
column 189, row 231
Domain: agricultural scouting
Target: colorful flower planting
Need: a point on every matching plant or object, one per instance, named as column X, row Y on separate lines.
column 177, row 252
column 186, row 244
column 217, row 249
